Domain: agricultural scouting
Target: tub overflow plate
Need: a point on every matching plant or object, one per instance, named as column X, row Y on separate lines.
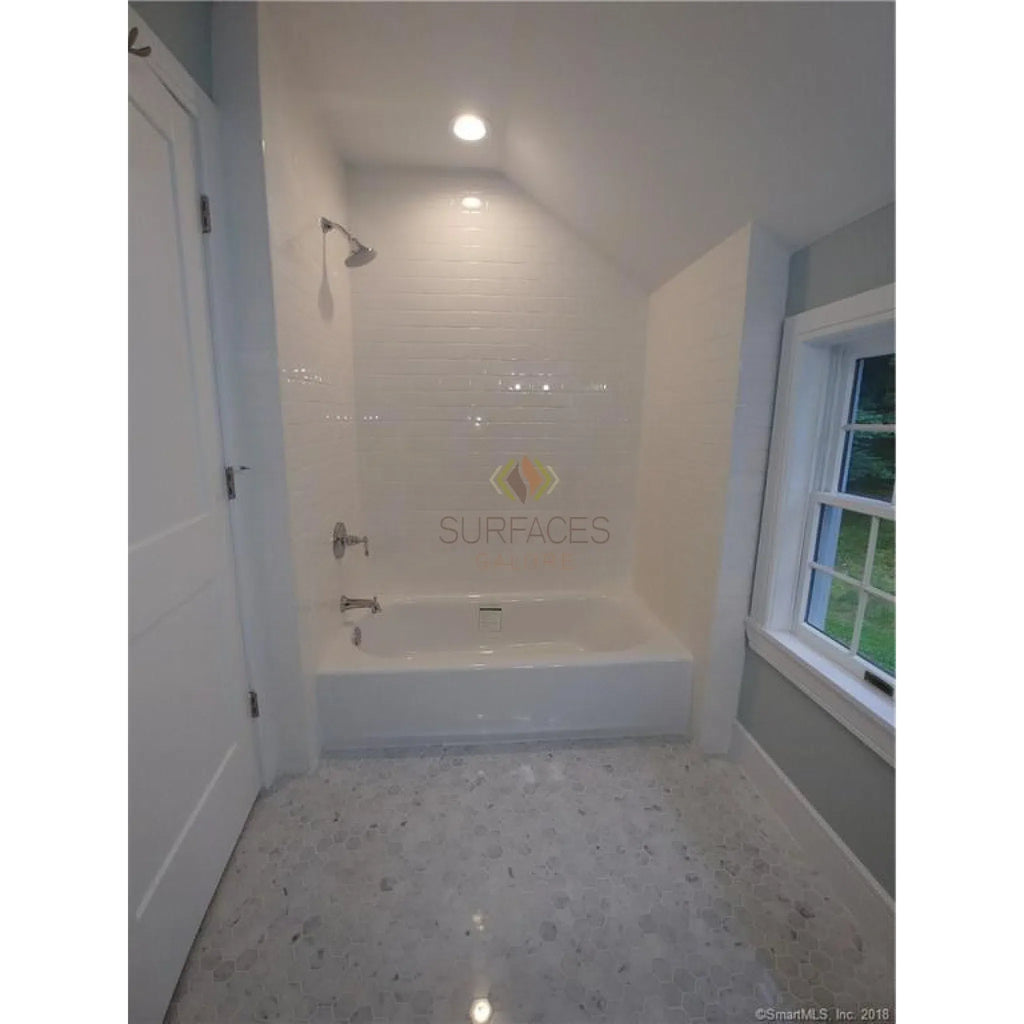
column 489, row 619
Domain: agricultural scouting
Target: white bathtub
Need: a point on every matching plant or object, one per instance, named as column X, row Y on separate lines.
column 432, row 670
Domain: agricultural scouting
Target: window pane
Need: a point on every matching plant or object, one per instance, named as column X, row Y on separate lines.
column 869, row 465
column 832, row 607
column 843, row 540
column 883, row 568
column 874, row 390
column 878, row 634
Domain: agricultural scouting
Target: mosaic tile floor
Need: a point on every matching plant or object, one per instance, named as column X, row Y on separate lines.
column 582, row 881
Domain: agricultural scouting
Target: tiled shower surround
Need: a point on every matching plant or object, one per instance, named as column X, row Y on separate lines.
column 626, row 882
column 482, row 336
column 712, row 354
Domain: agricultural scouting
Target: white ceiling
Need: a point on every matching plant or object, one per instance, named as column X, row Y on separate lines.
column 655, row 130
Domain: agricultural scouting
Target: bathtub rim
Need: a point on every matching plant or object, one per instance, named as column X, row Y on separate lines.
column 340, row 656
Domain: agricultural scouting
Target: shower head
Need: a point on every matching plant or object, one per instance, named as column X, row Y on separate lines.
column 359, row 254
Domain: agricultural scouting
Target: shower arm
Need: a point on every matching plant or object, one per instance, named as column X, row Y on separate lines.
column 359, row 254
column 326, row 225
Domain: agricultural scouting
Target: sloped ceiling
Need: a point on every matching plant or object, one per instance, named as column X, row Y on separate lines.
column 654, row 130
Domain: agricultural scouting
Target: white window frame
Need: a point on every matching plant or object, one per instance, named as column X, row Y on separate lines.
column 844, row 356
column 819, row 351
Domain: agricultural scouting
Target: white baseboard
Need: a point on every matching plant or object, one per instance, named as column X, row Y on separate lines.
column 872, row 907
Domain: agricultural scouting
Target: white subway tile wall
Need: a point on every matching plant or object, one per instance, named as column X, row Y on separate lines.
column 694, row 333
column 711, row 355
column 482, row 336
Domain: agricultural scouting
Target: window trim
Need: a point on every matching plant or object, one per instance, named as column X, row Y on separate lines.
column 795, row 473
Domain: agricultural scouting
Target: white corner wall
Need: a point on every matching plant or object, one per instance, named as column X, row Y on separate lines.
column 481, row 337
column 251, row 403
column 712, row 350
column 312, row 302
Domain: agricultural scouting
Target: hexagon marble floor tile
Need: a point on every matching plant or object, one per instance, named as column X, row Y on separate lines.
column 579, row 881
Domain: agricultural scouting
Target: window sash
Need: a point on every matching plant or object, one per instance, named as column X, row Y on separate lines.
column 869, row 428
column 855, row 503
column 868, row 588
column 863, row 586
column 836, row 427
column 836, row 652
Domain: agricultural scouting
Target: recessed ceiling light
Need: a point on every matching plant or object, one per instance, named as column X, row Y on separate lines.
column 469, row 127
column 472, row 203
column 480, row 1011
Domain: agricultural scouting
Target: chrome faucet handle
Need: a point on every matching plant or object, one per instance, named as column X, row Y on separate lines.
column 339, row 539
column 342, row 539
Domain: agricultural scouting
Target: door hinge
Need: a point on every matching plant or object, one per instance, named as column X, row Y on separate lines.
column 204, row 214
column 229, row 479
column 254, row 704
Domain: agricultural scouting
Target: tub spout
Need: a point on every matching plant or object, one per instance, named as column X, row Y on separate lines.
column 360, row 602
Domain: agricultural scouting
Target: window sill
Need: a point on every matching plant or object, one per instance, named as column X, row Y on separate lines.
column 856, row 705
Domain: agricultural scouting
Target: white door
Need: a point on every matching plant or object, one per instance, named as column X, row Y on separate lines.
column 192, row 774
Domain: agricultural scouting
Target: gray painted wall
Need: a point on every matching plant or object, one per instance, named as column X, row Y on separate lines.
column 185, row 29
column 851, row 787
column 856, row 258
column 848, row 784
